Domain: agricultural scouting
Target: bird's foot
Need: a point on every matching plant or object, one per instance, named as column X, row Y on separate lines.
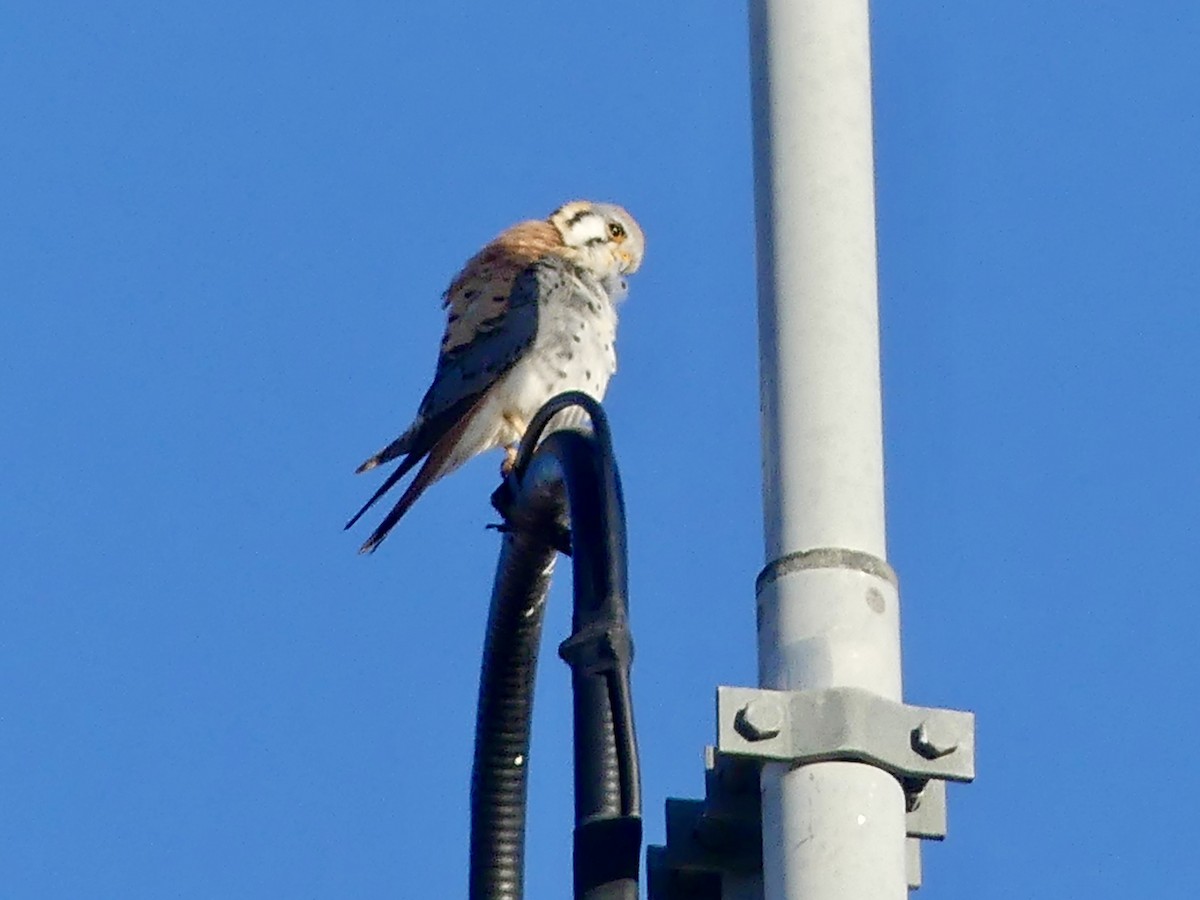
column 510, row 460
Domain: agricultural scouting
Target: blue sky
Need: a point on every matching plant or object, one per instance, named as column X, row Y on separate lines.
column 224, row 231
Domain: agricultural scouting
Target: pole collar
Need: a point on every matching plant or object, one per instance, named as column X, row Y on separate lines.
column 825, row 558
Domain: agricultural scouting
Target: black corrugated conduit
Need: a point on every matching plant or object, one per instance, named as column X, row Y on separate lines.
column 564, row 494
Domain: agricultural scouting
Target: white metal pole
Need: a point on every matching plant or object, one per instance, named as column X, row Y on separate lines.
column 828, row 607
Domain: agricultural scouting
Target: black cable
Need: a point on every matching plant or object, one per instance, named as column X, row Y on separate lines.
column 567, row 472
column 499, row 775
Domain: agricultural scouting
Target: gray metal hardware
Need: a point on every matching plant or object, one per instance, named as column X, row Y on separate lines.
column 722, row 835
column 911, row 742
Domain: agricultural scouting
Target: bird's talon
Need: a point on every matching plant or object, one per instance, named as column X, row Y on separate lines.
column 510, row 460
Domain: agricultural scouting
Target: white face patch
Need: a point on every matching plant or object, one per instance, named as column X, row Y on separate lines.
column 587, row 227
column 587, row 232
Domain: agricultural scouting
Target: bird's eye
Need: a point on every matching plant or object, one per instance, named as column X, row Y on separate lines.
column 616, row 230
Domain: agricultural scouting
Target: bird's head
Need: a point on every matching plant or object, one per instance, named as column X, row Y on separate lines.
column 602, row 236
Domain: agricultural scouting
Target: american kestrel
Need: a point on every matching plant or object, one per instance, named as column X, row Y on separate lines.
column 531, row 315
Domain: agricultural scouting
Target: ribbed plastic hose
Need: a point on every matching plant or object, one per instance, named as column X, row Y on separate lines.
column 571, row 471
column 499, row 776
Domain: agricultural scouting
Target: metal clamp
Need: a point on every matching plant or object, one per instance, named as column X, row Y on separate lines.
column 914, row 743
column 922, row 747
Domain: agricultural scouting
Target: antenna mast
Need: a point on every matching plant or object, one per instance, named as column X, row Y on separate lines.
column 829, row 612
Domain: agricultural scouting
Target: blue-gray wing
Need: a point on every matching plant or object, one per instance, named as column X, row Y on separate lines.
column 464, row 373
column 464, row 376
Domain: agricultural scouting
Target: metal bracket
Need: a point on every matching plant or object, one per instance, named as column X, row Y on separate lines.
column 922, row 747
column 720, row 834
column 723, row 832
column 914, row 743
column 926, row 816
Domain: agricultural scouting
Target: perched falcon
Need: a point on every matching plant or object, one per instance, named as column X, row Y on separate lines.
column 531, row 315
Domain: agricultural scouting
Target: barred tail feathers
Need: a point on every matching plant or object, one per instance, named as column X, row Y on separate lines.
column 398, row 447
column 401, row 471
column 445, row 457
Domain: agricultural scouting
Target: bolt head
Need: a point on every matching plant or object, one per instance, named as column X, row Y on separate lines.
column 760, row 719
column 935, row 738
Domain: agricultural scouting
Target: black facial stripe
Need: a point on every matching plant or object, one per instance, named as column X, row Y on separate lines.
column 596, row 242
column 579, row 217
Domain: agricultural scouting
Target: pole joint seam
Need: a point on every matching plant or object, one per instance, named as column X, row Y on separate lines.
column 825, row 558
